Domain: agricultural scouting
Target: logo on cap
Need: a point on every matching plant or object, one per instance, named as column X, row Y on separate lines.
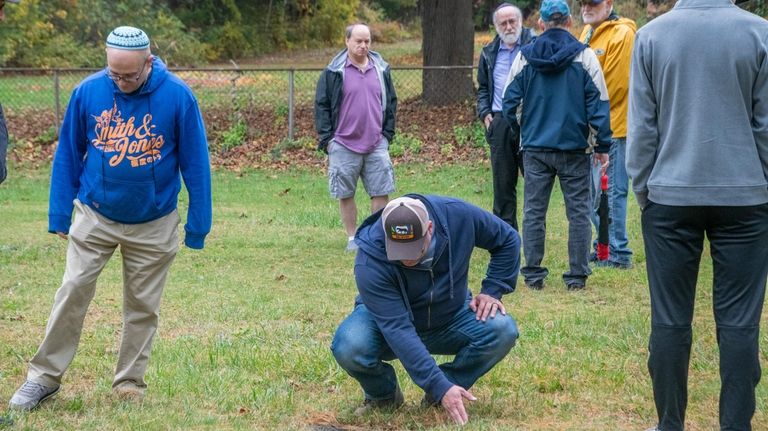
column 405, row 221
column 402, row 233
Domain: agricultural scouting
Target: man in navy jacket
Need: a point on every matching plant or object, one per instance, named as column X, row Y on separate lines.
column 558, row 84
column 411, row 271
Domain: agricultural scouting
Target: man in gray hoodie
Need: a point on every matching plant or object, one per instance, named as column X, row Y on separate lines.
column 697, row 153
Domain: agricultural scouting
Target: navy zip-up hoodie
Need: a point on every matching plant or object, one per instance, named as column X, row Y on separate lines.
column 405, row 301
column 122, row 154
column 560, row 85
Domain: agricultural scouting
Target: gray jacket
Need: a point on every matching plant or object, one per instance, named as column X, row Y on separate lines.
column 698, row 107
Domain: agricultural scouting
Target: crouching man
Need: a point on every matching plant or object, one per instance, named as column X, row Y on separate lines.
column 411, row 272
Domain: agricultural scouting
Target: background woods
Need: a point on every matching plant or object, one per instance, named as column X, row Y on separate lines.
column 70, row 33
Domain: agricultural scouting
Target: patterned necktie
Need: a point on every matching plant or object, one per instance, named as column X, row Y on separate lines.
column 589, row 35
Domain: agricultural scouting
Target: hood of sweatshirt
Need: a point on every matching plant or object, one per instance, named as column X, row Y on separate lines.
column 552, row 51
column 339, row 60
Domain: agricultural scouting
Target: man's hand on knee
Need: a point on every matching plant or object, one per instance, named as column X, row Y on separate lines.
column 485, row 305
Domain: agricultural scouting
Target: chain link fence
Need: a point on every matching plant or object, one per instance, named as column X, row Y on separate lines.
column 43, row 94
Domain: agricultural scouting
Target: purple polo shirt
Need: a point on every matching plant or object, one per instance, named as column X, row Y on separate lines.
column 360, row 116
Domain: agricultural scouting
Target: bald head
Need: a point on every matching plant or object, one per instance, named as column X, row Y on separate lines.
column 358, row 41
column 352, row 27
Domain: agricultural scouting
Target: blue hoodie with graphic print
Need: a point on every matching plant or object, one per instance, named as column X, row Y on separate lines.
column 123, row 154
column 407, row 300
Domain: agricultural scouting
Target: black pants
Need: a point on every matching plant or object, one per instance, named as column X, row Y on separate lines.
column 505, row 162
column 674, row 239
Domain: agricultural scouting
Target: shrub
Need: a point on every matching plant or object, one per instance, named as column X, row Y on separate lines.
column 473, row 134
column 234, row 136
column 276, row 153
column 446, row 149
column 404, row 142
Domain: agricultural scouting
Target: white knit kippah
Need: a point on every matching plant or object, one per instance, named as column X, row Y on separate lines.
column 130, row 38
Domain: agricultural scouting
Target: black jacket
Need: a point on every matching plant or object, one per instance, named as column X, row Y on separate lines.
column 329, row 93
column 485, row 71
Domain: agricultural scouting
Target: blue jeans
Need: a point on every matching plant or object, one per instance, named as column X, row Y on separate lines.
column 618, row 186
column 573, row 170
column 360, row 349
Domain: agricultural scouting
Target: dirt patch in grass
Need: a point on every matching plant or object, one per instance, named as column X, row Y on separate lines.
column 425, row 134
column 319, row 421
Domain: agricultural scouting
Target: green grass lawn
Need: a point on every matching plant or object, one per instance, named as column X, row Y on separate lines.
column 246, row 324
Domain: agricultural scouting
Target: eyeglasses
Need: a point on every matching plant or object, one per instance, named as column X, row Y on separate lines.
column 117, row 78
column 512, row 22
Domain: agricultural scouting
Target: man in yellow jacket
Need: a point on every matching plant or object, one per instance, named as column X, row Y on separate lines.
column 611, row 38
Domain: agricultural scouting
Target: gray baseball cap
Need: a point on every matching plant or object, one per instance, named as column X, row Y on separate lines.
column 405, row 222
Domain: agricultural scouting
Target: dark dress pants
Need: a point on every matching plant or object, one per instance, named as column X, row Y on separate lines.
column 505, row 162
column 674, row 239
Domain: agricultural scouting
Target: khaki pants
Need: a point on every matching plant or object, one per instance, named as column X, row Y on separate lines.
column 148, row 249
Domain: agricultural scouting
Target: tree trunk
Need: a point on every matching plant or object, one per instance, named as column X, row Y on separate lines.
column 448, row 40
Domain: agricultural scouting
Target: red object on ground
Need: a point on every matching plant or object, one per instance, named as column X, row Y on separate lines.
column 603, row 250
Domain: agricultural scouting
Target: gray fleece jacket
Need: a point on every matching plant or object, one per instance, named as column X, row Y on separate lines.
column 698, row 107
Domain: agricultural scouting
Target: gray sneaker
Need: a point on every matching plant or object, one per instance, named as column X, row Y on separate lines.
column 30, row 395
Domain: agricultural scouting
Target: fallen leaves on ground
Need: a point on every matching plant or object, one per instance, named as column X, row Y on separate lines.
column 265, row 143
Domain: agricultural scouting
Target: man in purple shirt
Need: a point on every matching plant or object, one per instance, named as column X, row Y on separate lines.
column 493, row 70
column 355, row 106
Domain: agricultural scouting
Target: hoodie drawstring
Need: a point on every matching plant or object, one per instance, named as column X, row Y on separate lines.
column 450, row 258
column 109, row 124
column 401, row 283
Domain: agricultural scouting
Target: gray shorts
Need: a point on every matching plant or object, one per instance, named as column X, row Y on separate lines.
column 345, row 167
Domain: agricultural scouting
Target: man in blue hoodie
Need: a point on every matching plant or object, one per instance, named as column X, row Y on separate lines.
column 411, row 272
column 130, row 132
column 559, row 82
